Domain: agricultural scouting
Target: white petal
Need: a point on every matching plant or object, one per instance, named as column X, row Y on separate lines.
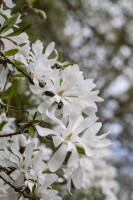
column 87, row 122
column 58, row 158
column 37, row 158
column 45, row 105
column 49, row 49
column 73, row 160
column 57, row 140
column 35, row 89
column 49, row 179
column 28, row 151
column 44, row 131
column 37, row 48
column 51, row 115
column 14, row 175
column 69, row 184
column 77, row 177
column 9, row 3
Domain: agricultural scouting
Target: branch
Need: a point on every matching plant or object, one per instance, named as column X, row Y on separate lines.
column 2, row 91
column 19, row 190
column 10, row 134
column 9, row 61
column 20, row 131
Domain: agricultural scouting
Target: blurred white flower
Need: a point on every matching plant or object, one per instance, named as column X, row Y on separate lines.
column 104, row 178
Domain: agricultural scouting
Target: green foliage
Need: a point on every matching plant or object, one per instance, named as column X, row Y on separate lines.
column 80, row 150
column 2, row 125
column 11, row 52
column 31, row 131
column 9, row 23
column 31, row 2
column 12, row 90
column 20, row 30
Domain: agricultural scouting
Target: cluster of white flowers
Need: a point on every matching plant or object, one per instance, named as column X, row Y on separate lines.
column 102, row 178
column 68, row 103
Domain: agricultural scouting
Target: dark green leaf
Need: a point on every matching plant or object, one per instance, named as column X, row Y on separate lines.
column 12, row 90
column 31, row 131
column 18, row 66
column 32, row 1
column 19, row 31
column 67, row 65
column 11, row 52
column 35, row 114
column 33, row 188
column 80, row 150
column 2, row 125
column 19, row 75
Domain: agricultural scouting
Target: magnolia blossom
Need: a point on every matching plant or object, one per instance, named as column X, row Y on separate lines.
column 42, row 187
column 73, row 134
column 67, row 107
column 21, row 163
column 40, row 64
column 68, row 90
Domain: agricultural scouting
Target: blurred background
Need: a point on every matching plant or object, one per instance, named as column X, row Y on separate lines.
column 97, row 35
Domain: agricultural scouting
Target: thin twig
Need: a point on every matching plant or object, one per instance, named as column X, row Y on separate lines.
column 16, row 189
column 20, row 131
column 10, row 134
column 9, row 61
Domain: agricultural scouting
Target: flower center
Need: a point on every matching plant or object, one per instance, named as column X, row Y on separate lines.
column 68, row 137
column 60, row 93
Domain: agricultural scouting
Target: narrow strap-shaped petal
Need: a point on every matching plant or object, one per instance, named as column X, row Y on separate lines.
column 44, row 131
column 58, row 158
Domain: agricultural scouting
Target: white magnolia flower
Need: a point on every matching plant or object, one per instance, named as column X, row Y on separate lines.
column 39, row 62
column 21, row 162
column 42, row 190
column 67, row 89
column 72, row 135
